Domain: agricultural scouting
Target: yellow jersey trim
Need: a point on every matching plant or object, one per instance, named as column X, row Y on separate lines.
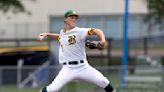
column 90, row 31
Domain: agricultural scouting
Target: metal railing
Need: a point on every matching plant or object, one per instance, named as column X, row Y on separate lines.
column 113, row 73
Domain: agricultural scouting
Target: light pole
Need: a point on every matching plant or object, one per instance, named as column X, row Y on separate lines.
column 125, row 43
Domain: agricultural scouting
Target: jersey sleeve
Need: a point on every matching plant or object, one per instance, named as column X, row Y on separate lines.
column 84, row 32
column 90, row 31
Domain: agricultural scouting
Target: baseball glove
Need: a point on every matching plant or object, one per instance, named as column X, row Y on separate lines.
column 94, row 45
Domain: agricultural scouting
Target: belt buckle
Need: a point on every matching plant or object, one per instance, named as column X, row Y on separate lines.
column 81, row 61
column 73, row 62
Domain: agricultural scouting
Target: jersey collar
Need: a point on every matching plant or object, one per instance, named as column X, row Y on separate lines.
column 66, row 30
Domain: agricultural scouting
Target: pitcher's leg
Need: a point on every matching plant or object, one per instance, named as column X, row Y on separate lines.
column 61, row 79
column 92, row 75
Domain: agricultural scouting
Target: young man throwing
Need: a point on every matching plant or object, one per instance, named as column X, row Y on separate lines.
column 72, row 55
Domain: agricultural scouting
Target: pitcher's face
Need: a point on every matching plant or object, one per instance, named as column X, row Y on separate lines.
column 71, row 20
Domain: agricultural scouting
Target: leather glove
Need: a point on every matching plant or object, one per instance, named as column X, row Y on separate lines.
column 94, row 45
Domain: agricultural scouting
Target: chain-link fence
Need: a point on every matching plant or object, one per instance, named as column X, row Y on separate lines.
column 142, row 79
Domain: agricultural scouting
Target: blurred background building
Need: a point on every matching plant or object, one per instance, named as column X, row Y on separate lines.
column 108, row 12
column 21, row 54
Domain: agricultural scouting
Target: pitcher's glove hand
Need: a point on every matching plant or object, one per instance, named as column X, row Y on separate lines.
column 94, row 45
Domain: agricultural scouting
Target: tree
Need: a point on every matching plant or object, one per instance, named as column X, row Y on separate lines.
column 155, row 16
column 15, row 6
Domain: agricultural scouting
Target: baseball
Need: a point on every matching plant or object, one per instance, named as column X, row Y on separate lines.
column 41, row 37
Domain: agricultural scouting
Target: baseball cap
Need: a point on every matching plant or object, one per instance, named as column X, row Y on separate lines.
column 70, row 13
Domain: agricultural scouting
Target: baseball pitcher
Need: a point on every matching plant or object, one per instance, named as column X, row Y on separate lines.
column 72, row 55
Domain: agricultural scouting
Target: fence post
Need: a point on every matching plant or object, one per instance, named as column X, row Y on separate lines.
column 109, row 50
column 145, row 45
column 19, row 67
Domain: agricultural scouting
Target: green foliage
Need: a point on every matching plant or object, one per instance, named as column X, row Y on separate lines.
column 15, row 6
column 156, row 14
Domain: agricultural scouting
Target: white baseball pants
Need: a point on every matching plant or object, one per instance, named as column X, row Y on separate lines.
column 82, row 72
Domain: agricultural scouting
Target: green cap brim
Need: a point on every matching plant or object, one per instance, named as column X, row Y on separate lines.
column 71, row 13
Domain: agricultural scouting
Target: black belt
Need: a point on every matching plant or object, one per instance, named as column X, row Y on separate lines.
column 73, row 62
